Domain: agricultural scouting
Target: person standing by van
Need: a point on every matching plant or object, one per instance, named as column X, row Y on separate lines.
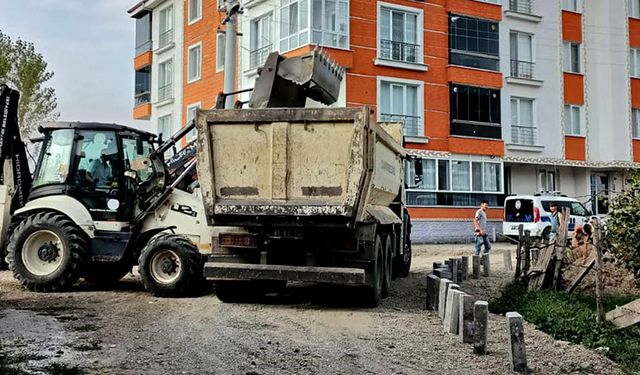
column 480, row 224
column 555, row 221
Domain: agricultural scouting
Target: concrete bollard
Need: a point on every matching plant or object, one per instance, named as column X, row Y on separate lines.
column 433, row 291
column 443, row 308
column 480, row 315
column 452, row 312
column 508, row 266
column 486, row 265
column 517, row 351
column 436, row 265
column 465, row 267
column 442, row 295
column 442, row 273
column 465, row 318
column 454, row 270
column 476, row 266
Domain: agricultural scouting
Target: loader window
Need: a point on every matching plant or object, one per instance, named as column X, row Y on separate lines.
column 56, row 158
column 98, row 157
column 139, row 162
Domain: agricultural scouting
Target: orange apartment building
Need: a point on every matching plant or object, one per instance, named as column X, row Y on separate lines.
column 483, row 117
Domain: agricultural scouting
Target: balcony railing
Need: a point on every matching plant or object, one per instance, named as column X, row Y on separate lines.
column 521, row 6
column 523, row 135
column 399, row 51
column 165, row 38
column 522, row 69
column 142, row 98
column 165, row 92
column 257, row 57
column 143, row 47
column 411, row 123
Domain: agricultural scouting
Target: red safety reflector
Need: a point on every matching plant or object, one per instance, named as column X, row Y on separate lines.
column 237, row 239
column 536, row 215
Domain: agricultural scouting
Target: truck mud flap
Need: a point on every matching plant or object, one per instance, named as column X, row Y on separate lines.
column 240, row 271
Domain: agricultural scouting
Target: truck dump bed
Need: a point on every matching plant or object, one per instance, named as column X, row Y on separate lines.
column 275, row 163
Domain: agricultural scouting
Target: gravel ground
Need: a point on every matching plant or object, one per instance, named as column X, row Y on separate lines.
column 312, row 329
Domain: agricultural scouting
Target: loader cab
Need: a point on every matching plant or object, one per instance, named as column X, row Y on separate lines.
column 90, row 162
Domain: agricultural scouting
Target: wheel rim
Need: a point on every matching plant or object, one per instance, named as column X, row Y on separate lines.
column 43, row 252
column 165, row 266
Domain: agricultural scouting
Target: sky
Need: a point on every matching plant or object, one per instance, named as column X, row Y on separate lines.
column 89, row 46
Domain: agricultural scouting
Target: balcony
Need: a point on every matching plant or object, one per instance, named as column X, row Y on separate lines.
column 521, row 6
column 522, row 69
column 165, row 38
column 142, row 98
column 143, row 47
column 524, row 135
column 411, row 123
column 165, row 92
column 399, row 51
column 258, row 56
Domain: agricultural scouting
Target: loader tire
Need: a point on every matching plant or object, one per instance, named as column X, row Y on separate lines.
column 3, row 250
column 47, row 252
column 171, row 266
column 107, row 273
column 373, row 292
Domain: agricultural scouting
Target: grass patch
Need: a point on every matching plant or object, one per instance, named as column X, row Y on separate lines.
column 572, row 317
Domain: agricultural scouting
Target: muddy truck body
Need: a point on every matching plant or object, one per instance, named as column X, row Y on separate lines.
column 318, row 193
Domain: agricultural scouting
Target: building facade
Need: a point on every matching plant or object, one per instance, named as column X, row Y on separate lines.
column 498, row 97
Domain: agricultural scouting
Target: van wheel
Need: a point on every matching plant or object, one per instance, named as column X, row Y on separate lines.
column 171, row 266
column 373, row 292
column 47, row 252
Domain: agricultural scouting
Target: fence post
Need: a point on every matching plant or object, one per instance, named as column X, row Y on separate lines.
column 562, row 247
column 527, row 256
column 518, row 252
column 597, row 242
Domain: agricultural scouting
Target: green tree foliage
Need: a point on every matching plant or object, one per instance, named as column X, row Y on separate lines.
column 24, row 69
column 623, row 226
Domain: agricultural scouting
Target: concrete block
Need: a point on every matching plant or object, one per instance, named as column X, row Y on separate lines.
column 465, row 318
column 480, row 315
column 433, row 291
column 442, row 273
column 486, row 264
column 454, row 271
column 442, row 295
column 476, row 266
column 436, row 265
column 464, row 265
column 508, row 266
column 517, row 351
column 452, row 311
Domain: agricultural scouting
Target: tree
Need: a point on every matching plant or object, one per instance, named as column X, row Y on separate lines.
column 24, row 69
column 623, row 225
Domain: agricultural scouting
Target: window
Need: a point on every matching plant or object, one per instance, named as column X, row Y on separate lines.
column 165, row 80
column 261, row 40
column 143, row 86
column 143, row 34
column 165, row 126
column 220, row 49
column 475, row 111
column 635, row 62
column 635, row 122
column 330, row 23
column 194, row 70
column 294, row 24
column 571, row 61
column 455, row 182
column 523, row 130
column 191, row 114
column 166, row 27
column 572, row 120
column 400, row 34
column 521, row 55
column 195, row 10
column 55, row 158
column 634, row 8
column 401, row 101
column 138, row 162
column 473, row 42
column 546, row 180
column 521, row 6
column 571, row 5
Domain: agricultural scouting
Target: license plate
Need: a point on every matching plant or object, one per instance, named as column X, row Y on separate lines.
column 514, row 227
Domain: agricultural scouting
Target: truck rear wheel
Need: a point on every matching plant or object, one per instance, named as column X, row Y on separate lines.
column 388, row 265
column 373, row 292
column 170, row 266
column 403, row 261
column 47, row 252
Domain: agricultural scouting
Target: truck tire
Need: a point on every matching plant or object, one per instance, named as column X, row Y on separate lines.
column 47, row 252
column 388, row 265
column 171, row 266
column 403, row 261
column 373, row 292
column 107, row 273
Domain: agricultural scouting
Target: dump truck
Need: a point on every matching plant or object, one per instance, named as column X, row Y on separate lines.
column 318, row 194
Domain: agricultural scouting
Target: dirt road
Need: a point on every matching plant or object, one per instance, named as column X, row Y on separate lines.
column 313, row 329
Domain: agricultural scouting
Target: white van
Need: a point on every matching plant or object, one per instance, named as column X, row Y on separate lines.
column 533, row 212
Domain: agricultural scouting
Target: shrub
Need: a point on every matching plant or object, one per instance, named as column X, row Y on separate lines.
column 623, row 225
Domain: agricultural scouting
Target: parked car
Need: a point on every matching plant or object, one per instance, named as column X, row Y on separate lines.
column 534, row 213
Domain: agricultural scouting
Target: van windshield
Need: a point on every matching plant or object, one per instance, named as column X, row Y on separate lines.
column 577, row 209
column 518, row 210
